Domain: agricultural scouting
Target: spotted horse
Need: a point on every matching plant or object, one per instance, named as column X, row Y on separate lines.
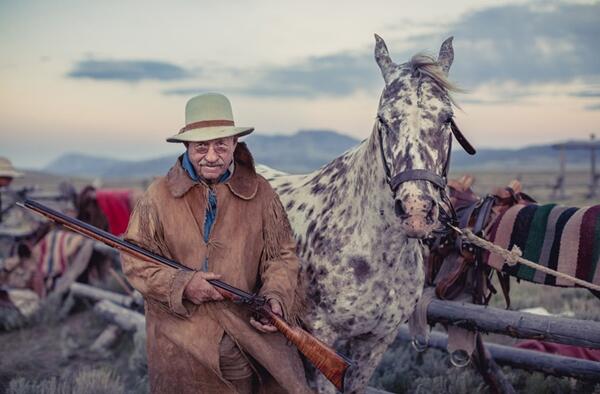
column 360, row 220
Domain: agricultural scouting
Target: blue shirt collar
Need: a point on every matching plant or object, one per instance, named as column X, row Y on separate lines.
column 189, row 168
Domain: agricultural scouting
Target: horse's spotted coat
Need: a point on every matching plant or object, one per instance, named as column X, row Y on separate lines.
column 364, row 274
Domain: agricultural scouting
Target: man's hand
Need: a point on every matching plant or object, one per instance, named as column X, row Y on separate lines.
column 198, row 290
column 264, row 325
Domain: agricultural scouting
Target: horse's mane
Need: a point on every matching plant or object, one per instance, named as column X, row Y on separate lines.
column 425, row 65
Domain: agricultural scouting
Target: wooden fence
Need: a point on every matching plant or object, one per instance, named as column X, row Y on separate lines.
column 479, row 318
column 485, row 319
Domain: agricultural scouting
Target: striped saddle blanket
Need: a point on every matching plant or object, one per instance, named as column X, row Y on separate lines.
column 55, row 251
column 561, row 238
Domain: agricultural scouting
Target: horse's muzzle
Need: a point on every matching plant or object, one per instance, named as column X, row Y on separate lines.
column 418, row 220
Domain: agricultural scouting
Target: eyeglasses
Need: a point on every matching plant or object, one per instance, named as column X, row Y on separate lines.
column 220, row 147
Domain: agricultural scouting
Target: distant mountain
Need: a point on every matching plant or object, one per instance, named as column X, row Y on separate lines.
column 85, row 165
column 535, row 158
column 304, row 151
column 308, row 150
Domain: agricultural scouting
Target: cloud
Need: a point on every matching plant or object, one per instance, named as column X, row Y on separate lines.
column 593, row 107
column 481, row 101
column 586, row 94
column 128, row 70
column 589, row 95
column 186, row 91
column 528, row 44
column 522, row 44
column 334, row 75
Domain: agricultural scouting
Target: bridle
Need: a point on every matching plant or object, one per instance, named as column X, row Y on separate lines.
column 419, row 174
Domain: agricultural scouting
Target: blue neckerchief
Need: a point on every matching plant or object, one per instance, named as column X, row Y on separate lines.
column 211, row 209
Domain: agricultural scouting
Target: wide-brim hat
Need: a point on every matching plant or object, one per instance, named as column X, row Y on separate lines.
column 207, row 117
column 7, row 170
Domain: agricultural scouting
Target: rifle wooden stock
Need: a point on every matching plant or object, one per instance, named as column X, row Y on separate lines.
column 331, row 364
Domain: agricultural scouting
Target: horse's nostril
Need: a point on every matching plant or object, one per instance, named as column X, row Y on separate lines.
column 399, row 209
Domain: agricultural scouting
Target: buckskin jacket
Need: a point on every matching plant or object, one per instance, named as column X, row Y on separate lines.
column 250, row 245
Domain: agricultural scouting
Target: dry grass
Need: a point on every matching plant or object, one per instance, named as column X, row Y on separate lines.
column 403, row 370
column 85, row 381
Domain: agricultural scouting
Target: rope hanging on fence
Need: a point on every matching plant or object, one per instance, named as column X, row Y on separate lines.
column 513, row 257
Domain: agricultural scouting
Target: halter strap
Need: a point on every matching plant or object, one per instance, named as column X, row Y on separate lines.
column 413, row 174
column 417, row 175
column 422, row 174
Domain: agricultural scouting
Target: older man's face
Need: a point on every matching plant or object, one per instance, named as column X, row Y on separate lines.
column 5, row 180
column 212, row 158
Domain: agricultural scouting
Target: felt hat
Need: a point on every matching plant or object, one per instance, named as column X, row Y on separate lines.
column 207, row 117
column 7, row 170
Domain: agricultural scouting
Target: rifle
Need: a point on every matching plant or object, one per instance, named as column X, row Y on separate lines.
column 331, row 364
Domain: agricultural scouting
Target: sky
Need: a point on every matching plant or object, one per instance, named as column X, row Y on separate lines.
column 112, row 78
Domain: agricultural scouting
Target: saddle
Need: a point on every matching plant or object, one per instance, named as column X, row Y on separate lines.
column 454, row 266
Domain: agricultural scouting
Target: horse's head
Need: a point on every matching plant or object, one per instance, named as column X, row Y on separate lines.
column 415, row 119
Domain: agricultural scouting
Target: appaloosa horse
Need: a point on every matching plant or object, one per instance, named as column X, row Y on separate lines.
column 359, row 220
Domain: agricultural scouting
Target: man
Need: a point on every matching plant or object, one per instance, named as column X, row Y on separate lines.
column 15, row 223
column 214, row 214
column 7, row 172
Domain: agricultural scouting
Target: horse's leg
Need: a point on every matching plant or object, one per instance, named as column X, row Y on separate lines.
column 366, row 351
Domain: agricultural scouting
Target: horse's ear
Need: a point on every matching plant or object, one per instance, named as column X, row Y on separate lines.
column 446, row 55
column 382, row 57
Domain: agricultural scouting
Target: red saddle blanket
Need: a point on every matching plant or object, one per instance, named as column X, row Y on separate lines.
column 562, row 350
column 114, row 203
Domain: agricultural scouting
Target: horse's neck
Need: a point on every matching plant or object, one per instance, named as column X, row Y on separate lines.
column 367, row 174
column 359, row 183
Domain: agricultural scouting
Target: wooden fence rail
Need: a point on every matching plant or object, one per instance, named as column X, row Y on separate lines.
column 525, row 359
column 86, row 291
column 472, row 317
column 125, row 318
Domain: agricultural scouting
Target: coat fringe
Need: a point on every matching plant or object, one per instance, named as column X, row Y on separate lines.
column 277, row 232
column 151, row 234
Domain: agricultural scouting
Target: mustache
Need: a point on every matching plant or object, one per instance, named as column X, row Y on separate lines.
column 206, row 163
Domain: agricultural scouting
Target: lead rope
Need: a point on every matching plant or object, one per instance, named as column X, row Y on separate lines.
column 512, row 257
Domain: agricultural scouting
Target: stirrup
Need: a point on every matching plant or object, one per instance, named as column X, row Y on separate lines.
column 418, row 345
column 460, row 358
